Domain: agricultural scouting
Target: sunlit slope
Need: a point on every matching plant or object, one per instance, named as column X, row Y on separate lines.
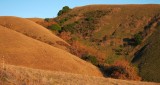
column 20, row 75
column 18, row 49
column 33, row 30
column 120, row 21
column 36, row 19
column 109, row 29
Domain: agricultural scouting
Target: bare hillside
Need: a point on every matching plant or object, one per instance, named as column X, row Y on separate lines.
column 33, row 30
column 18, row 49
column 36, row 19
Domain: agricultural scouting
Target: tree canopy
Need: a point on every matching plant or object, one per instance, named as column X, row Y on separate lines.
column 63, row 10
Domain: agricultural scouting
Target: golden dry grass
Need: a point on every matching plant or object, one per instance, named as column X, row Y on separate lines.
column 14, row 75
column 36, row 19
column 22, row 50
column 33, row 30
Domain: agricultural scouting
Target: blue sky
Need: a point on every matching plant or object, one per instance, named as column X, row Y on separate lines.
column 50, row 8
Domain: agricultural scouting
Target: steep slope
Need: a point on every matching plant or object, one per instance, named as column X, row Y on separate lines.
column 13, row 75
column 18, row 49
column 147, row 58
column 121, row 19
column 115, row 32
column 108, row 29
column 32, row 30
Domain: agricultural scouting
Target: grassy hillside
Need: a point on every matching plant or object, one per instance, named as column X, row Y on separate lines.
column 107, row 29
column 21, row 50
column 44, row 22
column 111, row 37
column 14, row 75
column 147, row 58
column 105, row 34
column 36, row 19
column 33, row 30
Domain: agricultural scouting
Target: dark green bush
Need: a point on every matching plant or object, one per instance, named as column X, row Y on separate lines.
column 55, row 27
column 89, row 19
column 138, row 39
column 69, row 28
column 63, row 20
column 46, row 19
column 77, row 22
column 90, row 58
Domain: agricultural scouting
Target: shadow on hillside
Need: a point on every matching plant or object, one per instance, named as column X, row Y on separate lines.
column 139, row 53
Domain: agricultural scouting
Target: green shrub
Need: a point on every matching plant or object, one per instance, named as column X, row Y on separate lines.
column 63, row 20
column 89, row 19
column 138, row 39
column 46, row 19
column 69, row 28
column 90, row 58
column 55, row 27
column 77, row 22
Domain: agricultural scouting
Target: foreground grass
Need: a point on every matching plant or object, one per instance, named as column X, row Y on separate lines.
column 14, row 75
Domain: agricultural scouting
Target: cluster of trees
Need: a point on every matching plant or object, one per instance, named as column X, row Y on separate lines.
column 64, row 10
column 57, row 27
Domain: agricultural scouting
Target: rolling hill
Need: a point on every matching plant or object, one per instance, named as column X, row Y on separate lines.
column 100, row 34
column 21, row 50
column 44, row 22
column 33, row 30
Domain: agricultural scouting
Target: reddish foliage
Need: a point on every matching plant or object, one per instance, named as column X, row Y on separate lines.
column 80, row 49
column 122, row 70
column 65, row 36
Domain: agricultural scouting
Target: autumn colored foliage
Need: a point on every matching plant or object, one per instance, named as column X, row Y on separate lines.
column 79, row 49
column 122, row 70
column 65, row 35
